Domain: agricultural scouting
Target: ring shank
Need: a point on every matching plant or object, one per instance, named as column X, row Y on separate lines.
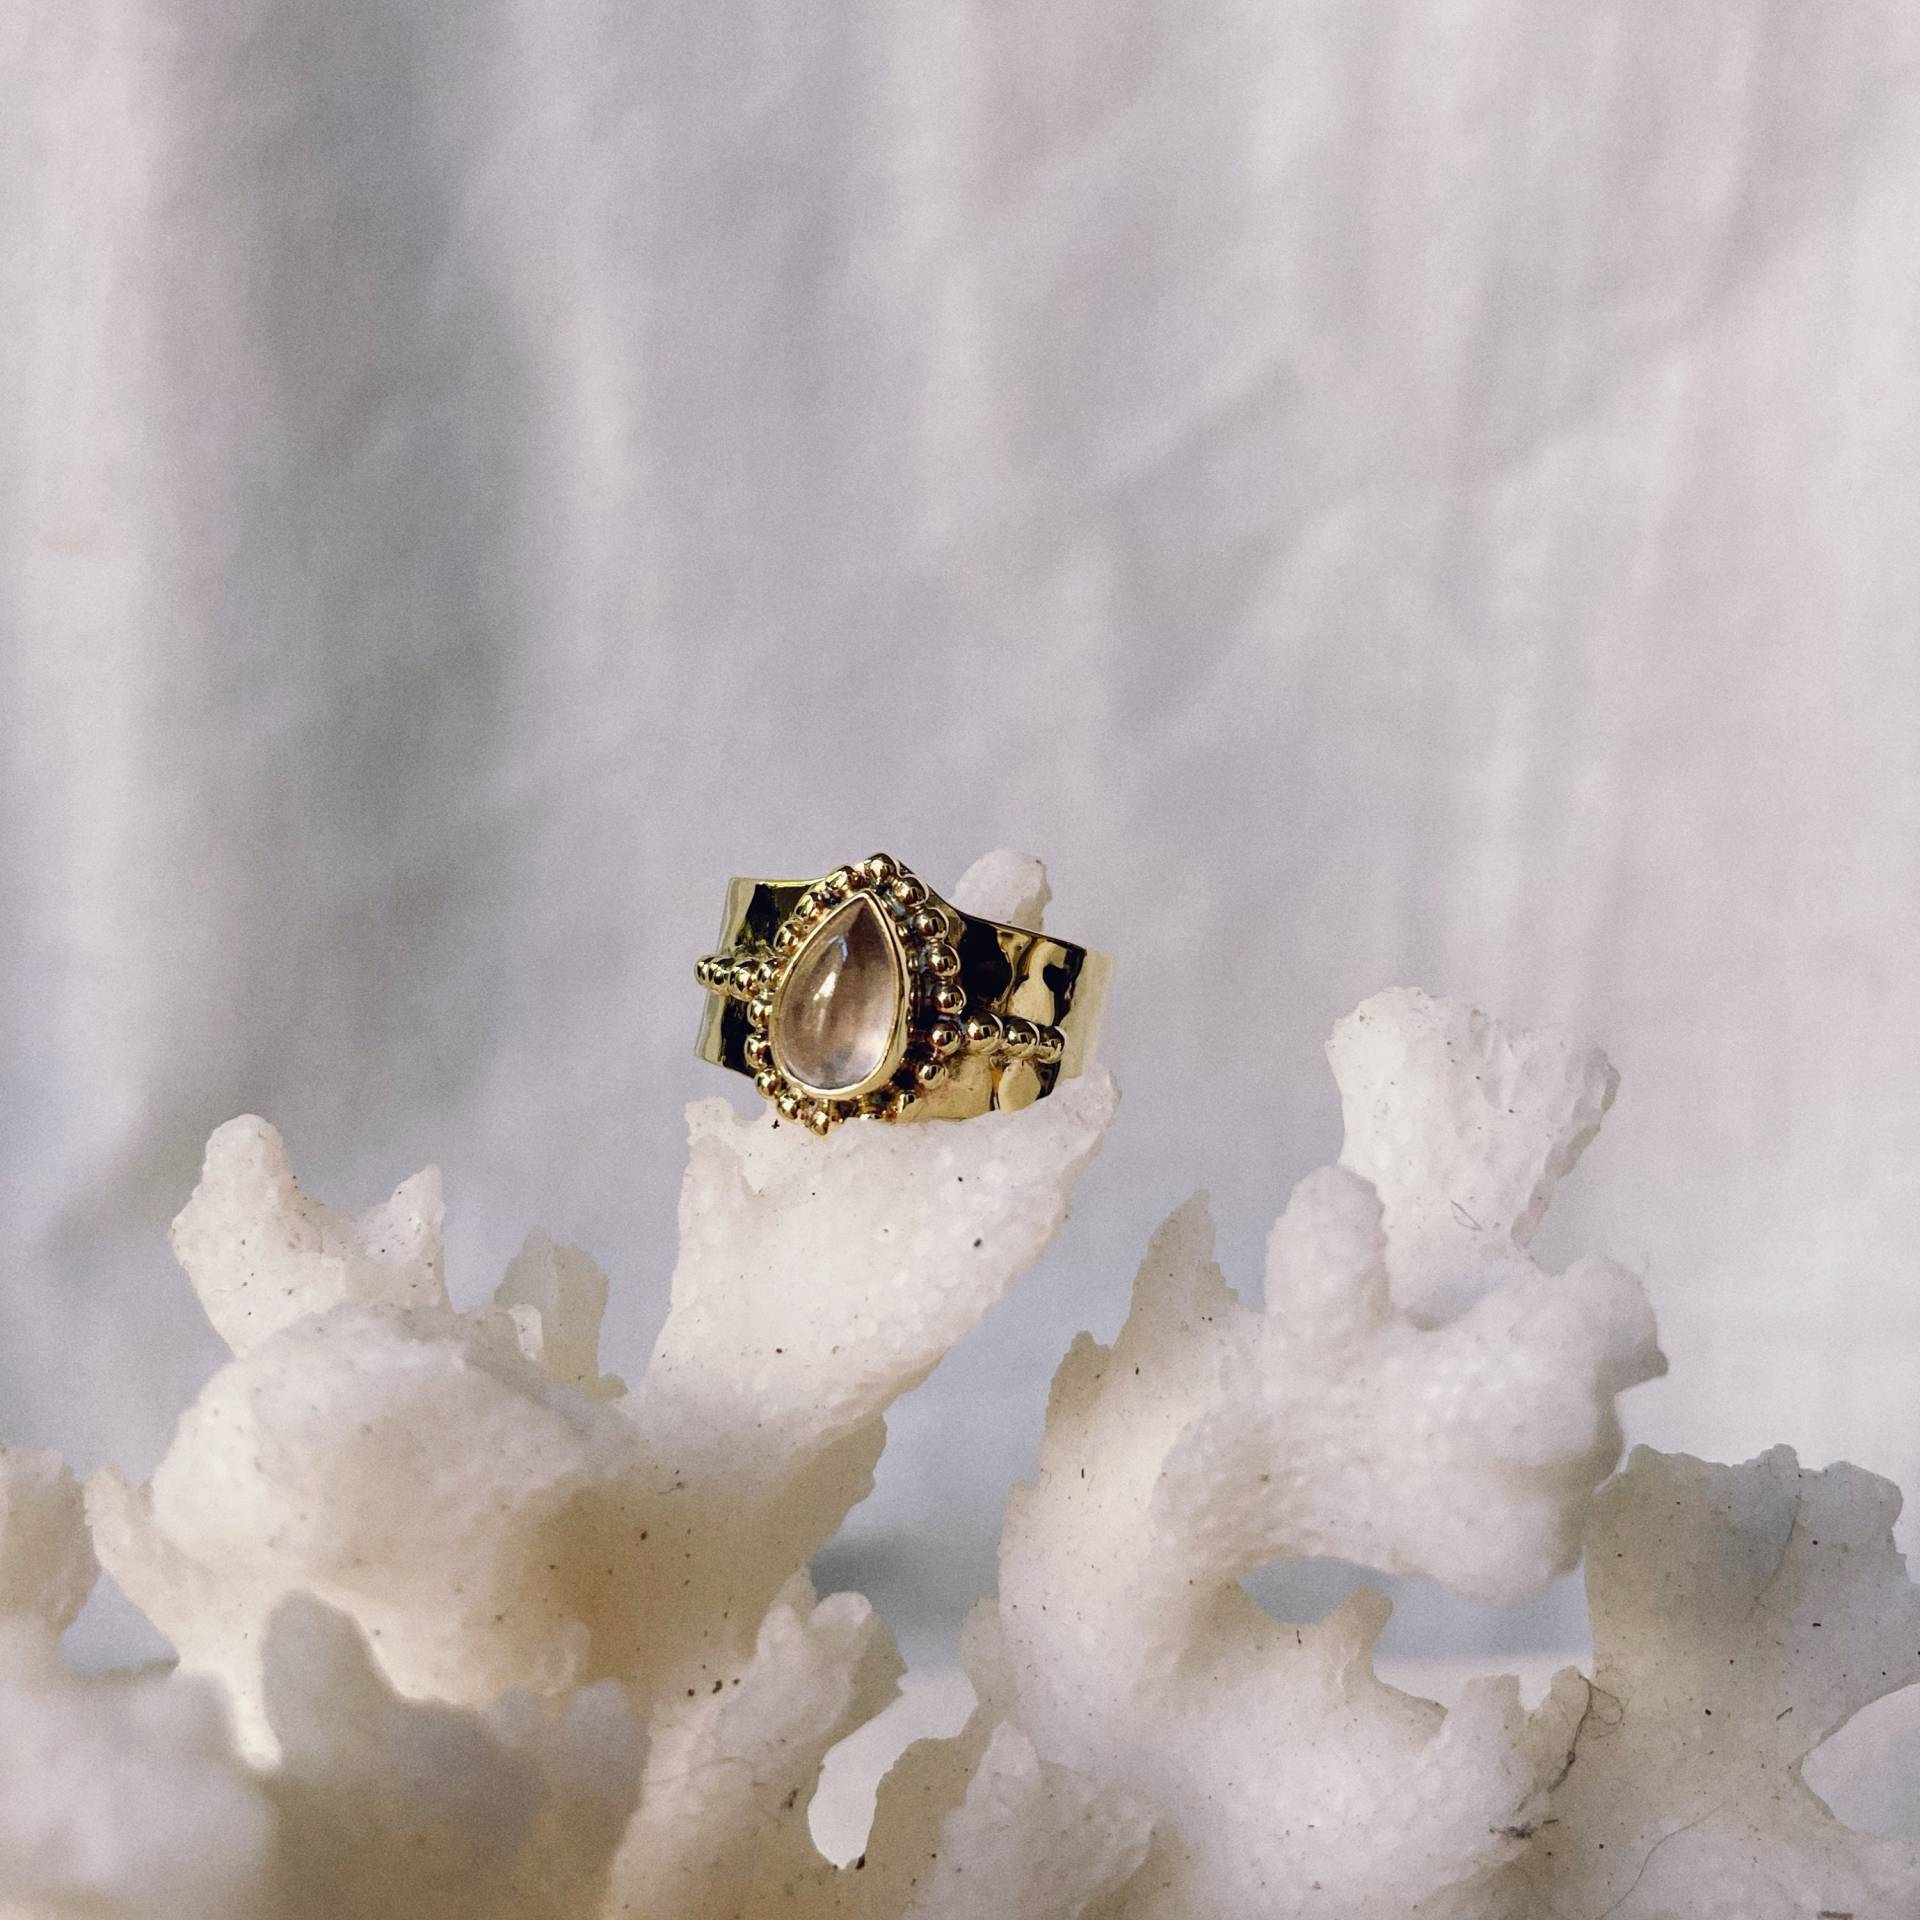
column 1004, row 970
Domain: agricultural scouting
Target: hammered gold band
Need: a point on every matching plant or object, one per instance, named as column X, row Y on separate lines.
column 940, row 1015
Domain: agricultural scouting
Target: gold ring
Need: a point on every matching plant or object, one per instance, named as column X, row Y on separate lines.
column 864, row 994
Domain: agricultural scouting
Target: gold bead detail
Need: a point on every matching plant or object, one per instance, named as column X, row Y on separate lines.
column 929, row 1073
column 949, row 999
column 767, row 1081
column 944, row 1036
column 909, row 891
column 880, row 869
column 1019, row 1037
column 942, row 962
column 983, row 1030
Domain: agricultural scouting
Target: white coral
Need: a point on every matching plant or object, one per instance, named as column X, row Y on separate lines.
column 431, row 1812
column 410, row 1467
column 1464, row 1130
column 261, row 1254
column 1030, row 1838
column 476, row 1496
column 505, row 1642
column 813, row 1289
column 1741, row 1615
column 725, row 1817
column 1213, row 1436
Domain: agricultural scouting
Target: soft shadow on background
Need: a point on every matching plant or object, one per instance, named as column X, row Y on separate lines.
column 1371, row 493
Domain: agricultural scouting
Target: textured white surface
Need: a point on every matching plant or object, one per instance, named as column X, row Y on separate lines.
column 504, row 1642
column 262, row 1255
column 1870, row 1773
column 1740, row 1616
column 487, row 1513
column 1346, row 1414
column 1377, row 491
column 463, row 1484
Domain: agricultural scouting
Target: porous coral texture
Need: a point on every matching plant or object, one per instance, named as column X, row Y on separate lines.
column 468, row 1632
column 472, row 1492
column 409, row 1466
column 1458, row 1435
column 1741, row 1615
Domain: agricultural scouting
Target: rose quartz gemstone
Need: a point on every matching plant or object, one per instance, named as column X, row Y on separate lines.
column 833, row 1023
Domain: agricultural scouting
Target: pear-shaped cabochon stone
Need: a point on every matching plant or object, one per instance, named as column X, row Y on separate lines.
column 834, row 1021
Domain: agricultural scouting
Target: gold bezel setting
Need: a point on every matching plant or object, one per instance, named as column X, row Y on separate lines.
column 933, row 1027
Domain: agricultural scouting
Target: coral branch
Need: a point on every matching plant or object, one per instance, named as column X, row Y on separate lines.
column 1740, row 1616
column 499, row 1641
column 1281, row 1775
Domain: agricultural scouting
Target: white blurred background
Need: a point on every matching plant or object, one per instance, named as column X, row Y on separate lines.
column 1371, row 492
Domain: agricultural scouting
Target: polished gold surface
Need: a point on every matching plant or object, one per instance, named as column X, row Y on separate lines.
column 987, row 1015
